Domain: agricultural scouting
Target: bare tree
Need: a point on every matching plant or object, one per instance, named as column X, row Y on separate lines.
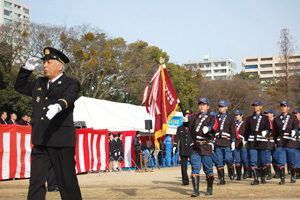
column 286, row 47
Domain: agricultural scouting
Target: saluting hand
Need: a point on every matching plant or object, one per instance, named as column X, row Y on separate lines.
column 31, row 63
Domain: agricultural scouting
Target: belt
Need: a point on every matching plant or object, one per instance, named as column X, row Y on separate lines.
column 202, row 143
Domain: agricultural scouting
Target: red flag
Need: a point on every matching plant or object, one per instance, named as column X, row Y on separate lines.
column 162, row 100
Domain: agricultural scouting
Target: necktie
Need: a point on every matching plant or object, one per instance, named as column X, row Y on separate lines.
column 50, row 82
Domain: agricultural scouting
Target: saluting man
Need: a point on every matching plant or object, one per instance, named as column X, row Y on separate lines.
column 285, row 128
column 202, row 126
column 53, row 131
column 225, row 138
column 257, row 128
column 183, row 136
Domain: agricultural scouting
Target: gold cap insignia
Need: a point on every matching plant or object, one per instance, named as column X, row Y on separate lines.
column 39, row 89
column 47, row 52
column 38, row 99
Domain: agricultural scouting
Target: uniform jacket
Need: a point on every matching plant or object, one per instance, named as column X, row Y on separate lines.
column 282, row 130
column 226, row 131
column 136, row 143
column 298, row 138
column 11, row 122
column 168, row 143
column 240, row 128
column 60, row 131
column 253, row 128
column 23, row 123
column 196, row 123
column 185, row 139
column 120, row 145
column 2, row 121
column 112, row 146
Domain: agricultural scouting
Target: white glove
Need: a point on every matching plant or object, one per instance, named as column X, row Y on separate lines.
column 245, row 145
column 293, row 133
column 205, row 129
column 31, row 63
column 174, row 149
column 53, row 110
column 264, row 133
column 232, row 146
column 185, row 119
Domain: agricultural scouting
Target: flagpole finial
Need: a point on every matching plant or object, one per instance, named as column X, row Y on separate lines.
column 161, row 60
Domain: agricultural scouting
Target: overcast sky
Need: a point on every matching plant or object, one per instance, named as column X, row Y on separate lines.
column 185, row 29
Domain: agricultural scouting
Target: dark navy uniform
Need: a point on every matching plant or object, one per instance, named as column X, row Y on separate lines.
column 120, row 149
column 54, row 140
column 183, row 136
column 202, row 127
column 224, row 135
column 112, row 145
column 240, row 154
column 286, row 143
column 257, row 144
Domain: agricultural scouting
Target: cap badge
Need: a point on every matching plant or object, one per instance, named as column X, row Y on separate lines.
column 47, row 52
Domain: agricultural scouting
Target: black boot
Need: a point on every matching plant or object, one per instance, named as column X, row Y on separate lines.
column 195, row 180
column 269, row 177
column 249, row 173
column 219, row 175
column 298, row 173
column 245, row 175
column 282, row 176
column 222, row 179
column 276, row 169
column 238, row 172
column 293, row 175
column 262, row 175
column 210, row 182
column 231, row 172
column 289, row 170
column 255, row 175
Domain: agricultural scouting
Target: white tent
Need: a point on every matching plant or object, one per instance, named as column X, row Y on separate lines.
column 102, row 114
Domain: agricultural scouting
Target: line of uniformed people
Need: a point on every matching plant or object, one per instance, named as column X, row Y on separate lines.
column 255, row 144
column 116, row 152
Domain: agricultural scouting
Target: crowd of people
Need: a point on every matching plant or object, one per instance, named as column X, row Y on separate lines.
column 25, row 119
column 263, row 140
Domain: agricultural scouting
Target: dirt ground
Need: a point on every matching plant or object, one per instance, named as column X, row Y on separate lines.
column 162, row 183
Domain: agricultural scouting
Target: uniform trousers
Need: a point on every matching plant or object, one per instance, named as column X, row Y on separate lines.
column 63, row 162
column 298, row 158
column 286, row 155
column 274, row 156
column 196, row 160
column 51, row 180
column 184, row 175
column 137, row 158
column 268, row 156
column 168, row 155
column 223, row 155
column 257, row 157
column 240, row 156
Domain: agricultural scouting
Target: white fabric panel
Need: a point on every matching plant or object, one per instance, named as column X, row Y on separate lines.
column 95, row 153
column 102, row 153
column 6, row 155
column 27, row 155
column 127, row 151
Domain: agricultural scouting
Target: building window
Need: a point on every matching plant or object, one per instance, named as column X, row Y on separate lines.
column 17, row 6
column 7, row 21
column 17, row 15
column 265, row 59
column 7, row 4
column 6, row 12
column 266, row 66
column 26, row 11
column 251, row 67
column 252, row 60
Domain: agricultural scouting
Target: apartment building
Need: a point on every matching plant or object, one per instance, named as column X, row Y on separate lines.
column 213, row 69
column 270, row 67
column 13, row 11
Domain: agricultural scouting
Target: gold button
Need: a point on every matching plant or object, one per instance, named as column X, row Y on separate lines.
column 46, row 98
column 42, row 118
column 44, row 108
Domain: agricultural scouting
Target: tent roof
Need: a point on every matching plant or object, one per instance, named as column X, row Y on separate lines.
column 114, row 116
